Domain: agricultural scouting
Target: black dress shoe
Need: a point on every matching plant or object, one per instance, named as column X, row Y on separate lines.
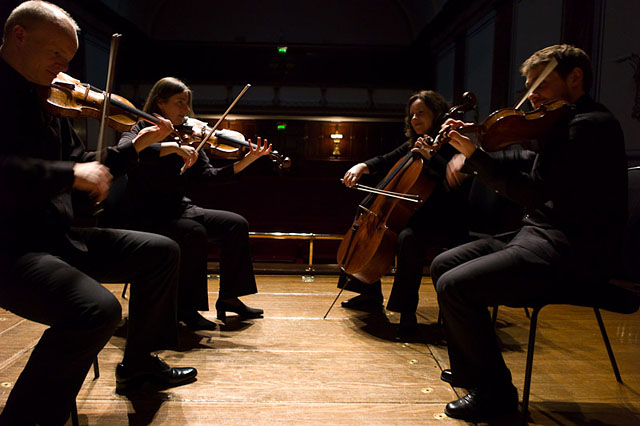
column 481, row 405
column 195, row 321
column 235, row 305
column 153, row 370
column 447, row 376
column 363, row 302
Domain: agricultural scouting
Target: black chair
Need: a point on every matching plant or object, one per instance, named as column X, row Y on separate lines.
column 621, row 294
column 74, row 408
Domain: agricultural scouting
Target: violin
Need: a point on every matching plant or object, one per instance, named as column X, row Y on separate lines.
column 508, row 126
column 69, row 97
column 223, row 143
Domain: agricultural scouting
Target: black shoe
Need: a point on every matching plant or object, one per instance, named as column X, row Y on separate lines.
column 155, row 371
column 236, row 306
column 195, row 321
column 447, row 376
column 363, row 302
column 481, row 405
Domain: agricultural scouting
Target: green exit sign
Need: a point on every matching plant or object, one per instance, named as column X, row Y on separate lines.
column 282, row 50
column 281, row 126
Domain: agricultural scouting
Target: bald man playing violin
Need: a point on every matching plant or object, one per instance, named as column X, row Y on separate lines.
column 50, row 271
column 568, row 239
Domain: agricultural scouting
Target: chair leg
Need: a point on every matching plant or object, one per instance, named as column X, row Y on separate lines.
column 124, row 290
column 494, row 315
column 607, row 344
column 74, row 414
column 529, row 367
column 96, row 369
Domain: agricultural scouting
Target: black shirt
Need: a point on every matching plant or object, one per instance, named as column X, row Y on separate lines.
column 575, row 197
column 37, row 155
column 156, row 189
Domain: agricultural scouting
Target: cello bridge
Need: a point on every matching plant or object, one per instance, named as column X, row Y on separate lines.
column 367, row 210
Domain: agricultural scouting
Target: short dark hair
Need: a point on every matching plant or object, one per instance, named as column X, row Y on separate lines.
column 34, row 12
column 568, row 57
column 435, row 102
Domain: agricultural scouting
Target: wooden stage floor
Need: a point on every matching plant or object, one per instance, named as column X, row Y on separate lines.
column 294, row 368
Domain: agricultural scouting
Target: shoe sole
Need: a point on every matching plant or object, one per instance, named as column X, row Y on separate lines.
column 123, row 388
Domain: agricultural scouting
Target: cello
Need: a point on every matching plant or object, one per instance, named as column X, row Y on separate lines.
column 368, row 247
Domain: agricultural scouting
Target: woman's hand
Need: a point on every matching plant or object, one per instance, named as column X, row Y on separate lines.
column 153, row 134
column 354, row 174
column 260, row 150
column 188, row 154
column 423, row 148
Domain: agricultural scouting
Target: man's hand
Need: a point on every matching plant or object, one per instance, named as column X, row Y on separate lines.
column 93, row 178
column 454, row 176
column 463, row 144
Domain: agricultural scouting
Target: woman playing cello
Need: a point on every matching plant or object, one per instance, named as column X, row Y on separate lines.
column 438, row 223
column 155, row 201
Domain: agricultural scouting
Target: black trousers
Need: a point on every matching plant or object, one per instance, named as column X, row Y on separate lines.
column 438, row 224
column 472, row 277
column 192, row 232
column 62, row 289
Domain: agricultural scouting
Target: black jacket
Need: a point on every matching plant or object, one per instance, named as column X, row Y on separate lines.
column 37, row 155
column 156, row 190
column 575, row 197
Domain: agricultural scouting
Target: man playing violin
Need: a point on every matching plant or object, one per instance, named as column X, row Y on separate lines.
column 569, row 236
column 155, row 201
column 50, row 271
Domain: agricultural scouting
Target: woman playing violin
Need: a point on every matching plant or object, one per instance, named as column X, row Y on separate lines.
column 155, row 201
column 438, row 223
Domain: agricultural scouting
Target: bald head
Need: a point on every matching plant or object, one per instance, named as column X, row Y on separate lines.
column 39, row 40
column 33, row 12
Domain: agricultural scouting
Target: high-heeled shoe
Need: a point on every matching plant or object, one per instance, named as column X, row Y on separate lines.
column 235, row 305
column 195, row 321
